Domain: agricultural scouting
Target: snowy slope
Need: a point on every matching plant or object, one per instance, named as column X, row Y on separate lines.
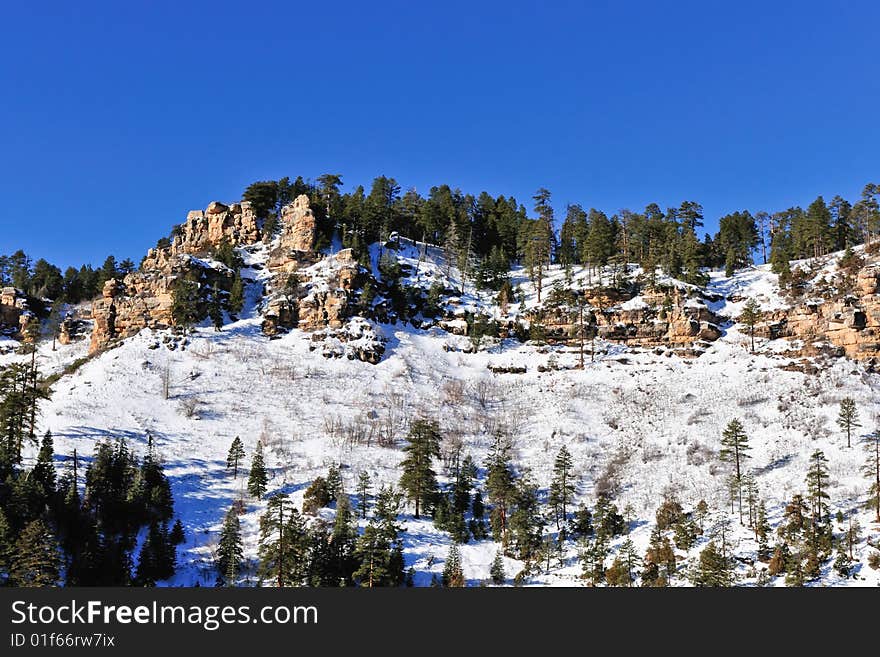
column 651, row 422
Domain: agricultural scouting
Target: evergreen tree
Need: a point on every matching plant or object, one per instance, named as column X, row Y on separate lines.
column 496, row 572
column 453, row 575
column 871, row 470
column 153, row 488
column 177, row 535
column 284, row 544
column 538, row 247
column 817, row 485
column 156, row 559
column 762, row 532
column 185, row 299
column 734, row 449
column 236, row 295
column 592, row 557
column 848, row 417
column 526, row 523
column 750, row 316
column 236, row 453
column 258, row 479
column 562, row 487
column 7, row 549
column 215, row 308
column 334, row 483
column 378, row 552
column 500, row 487
column 713, row 568
column 342, row 543
column 363, row 492
column 583, row 522
column 44, row 469
column 229, row 550
column 36, row 561
column 418, row 480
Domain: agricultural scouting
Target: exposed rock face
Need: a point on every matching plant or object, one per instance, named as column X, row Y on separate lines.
column 662, row 319
column 203, row 231
column 14, row 315
column 322, row 299
column 298, row 225
column 852, row 323
column 144, row 299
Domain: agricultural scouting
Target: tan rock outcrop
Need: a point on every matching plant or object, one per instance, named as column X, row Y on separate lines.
column 669, row 319
column 206, row 230
column 298, row 225
column 13, row 310
column 322, row 299
column 144, row 299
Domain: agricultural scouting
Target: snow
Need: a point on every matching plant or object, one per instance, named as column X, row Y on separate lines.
column 651, row 422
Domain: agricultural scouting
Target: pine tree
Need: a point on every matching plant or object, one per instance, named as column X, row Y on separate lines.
column 496, row 572
column 7, row 549
column 735, row 448
column 526, row 523
column 236, row 295
column 258, row 479
column 871, row 470
column 185, row 303
column 379, row 552
column 177, row 535
column 562, row 487
column 229, row 549
column 418, row 480
column 500, row 487
column 36, row 562
column 538, row 247
column 44, row 469
column 153, row 488
column 762, row 532
column 215, row 308
column 592, row 557
column 701, row 512
column 453, row 575
column 236, row 453
column 334, row 483
column 750, row 316
column 817, row 485
column 156, row 559
column 848, row 417
column 713, row 568
column 363, row 492
column 342, row 543
column 630, row 559
column 284, row 544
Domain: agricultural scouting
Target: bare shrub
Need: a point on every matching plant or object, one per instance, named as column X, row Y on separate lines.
column 483, row 392
column 453, row 392
column 189, row 406
column 698, row 453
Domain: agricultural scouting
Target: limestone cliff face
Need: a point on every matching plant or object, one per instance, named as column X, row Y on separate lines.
column 143, row 299
column 850, row 322
column 14, row 313
column 666, row 318
column 204, row 230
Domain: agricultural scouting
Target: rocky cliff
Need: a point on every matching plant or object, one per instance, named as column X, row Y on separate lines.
column 841, row 310
column 668, row 317
column 14, row 313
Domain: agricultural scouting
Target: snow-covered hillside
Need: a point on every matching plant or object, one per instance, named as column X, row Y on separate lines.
column 646, row 421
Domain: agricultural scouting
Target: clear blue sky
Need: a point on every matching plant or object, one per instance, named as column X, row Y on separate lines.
column 118, row 117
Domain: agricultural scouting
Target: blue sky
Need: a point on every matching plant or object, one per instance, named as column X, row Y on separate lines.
column 117, row 118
